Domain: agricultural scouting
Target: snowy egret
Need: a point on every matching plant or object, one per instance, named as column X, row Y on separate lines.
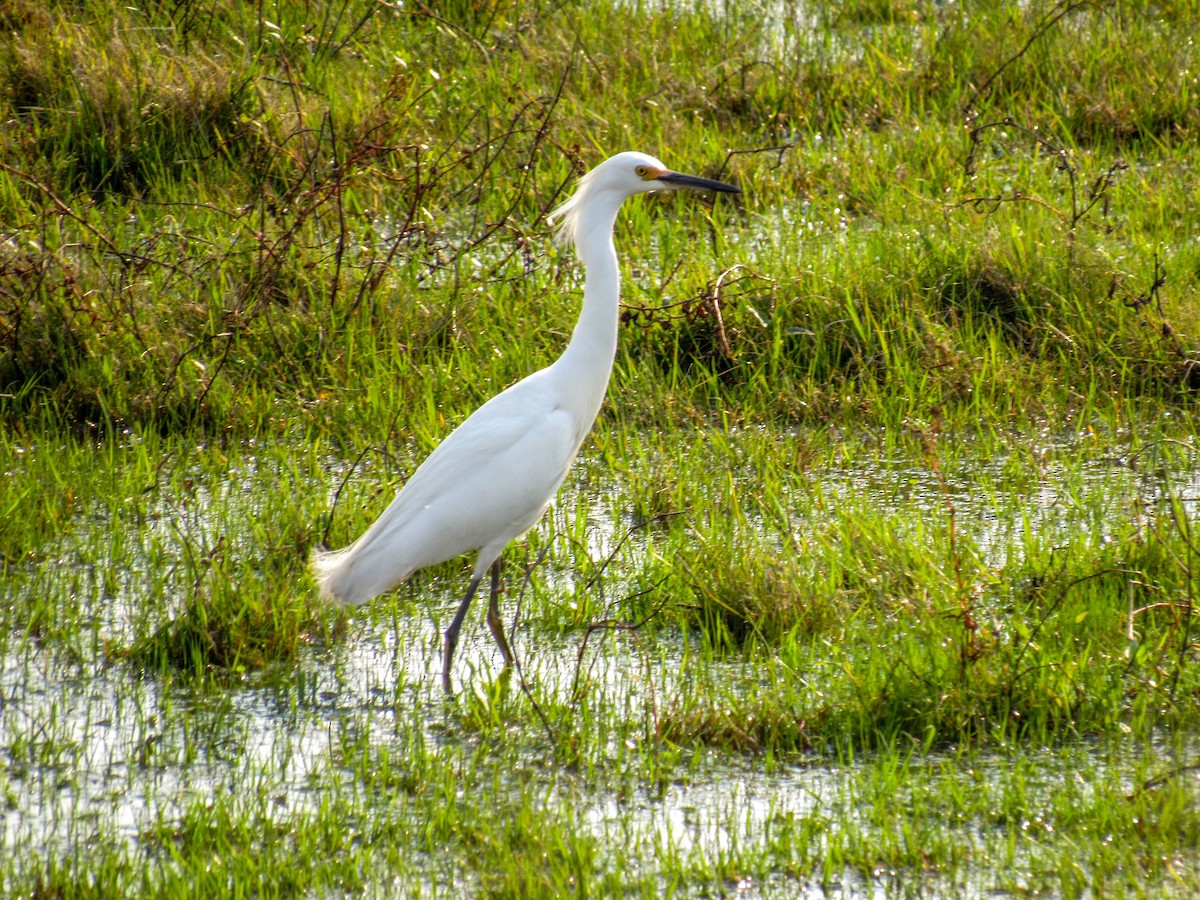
column 490, row 481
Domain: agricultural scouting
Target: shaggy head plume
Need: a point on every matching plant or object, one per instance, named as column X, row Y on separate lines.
column 566, row 216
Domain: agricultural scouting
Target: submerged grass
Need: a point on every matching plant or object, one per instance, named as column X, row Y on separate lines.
column 878, row 575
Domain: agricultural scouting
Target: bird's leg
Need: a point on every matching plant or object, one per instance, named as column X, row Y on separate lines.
column 451, row 640
column 493, row 615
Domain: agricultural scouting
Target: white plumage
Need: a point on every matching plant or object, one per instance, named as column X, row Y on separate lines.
column 491, row 480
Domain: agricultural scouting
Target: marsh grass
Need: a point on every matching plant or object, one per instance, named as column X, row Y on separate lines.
column 878, row 574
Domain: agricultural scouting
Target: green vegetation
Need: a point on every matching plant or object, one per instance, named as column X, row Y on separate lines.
column 877, row 575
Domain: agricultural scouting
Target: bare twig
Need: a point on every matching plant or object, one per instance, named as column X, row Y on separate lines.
column 517, row 659
column 1060, row 10
column 1164, row 779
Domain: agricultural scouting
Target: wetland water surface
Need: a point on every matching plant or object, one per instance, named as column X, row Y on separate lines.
column 95, row 749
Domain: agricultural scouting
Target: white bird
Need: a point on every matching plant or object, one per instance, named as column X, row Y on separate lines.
column 490, row 481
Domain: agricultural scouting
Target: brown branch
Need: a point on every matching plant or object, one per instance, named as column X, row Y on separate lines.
column 1062, row 9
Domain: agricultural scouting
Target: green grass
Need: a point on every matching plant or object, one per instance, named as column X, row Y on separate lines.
column 878, row 572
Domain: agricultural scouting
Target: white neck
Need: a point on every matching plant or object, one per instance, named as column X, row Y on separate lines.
column 587, row 362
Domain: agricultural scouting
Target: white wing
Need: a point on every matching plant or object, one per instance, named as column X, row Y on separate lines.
column 487, row 483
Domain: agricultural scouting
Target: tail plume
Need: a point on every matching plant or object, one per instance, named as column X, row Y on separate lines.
column 326, row 566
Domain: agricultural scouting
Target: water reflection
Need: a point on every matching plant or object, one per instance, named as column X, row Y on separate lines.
column 91, row 749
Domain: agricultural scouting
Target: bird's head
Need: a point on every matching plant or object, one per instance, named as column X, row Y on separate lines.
column 622, row 176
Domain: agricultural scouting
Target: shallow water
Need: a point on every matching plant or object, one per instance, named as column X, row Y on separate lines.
column 109, row 756
column 95, row 750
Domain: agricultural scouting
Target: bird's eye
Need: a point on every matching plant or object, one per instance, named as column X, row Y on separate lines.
column 642, row 171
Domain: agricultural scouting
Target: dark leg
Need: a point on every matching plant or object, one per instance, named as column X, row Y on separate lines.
column 493, row 615
column 451, row 640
